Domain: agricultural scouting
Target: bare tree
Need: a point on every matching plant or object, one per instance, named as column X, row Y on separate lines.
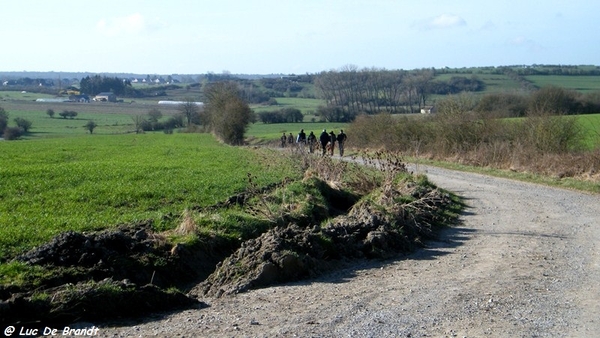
column 190, row 110
column 154, row 115
column 91, row 125
column 138, row 120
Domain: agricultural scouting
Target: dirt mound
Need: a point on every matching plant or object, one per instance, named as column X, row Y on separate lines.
column 290, row 253
column 107, row 299
column 128, row 252
column 126, row 271
column 72, row 248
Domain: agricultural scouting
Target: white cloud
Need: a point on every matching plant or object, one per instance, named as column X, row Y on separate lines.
column 129, row 25
column 440, row 22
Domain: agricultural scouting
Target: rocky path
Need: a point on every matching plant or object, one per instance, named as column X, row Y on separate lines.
column 524, row 262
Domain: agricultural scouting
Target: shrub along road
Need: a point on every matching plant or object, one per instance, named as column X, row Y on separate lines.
column 523, row 262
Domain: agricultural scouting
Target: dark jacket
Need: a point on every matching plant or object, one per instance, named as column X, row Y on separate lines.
column 324, row 138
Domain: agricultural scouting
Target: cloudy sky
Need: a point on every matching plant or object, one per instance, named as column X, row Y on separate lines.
column 293, row 36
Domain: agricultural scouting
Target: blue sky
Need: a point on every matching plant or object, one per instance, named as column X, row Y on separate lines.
column 299, row 36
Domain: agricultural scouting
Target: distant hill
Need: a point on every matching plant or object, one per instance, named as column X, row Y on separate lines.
column 4, row 75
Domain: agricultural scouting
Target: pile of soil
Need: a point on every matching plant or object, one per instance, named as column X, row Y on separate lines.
column 291, row 253
column 107, row 299
column 135, row 253
column 122, row 272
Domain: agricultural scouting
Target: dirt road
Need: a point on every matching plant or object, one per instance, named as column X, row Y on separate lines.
column 524, row 262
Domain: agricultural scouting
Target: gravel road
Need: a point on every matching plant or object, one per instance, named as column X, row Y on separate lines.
column 524, row 262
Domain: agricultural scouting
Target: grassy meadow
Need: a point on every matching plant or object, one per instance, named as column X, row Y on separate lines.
column 308, row 107
column 583, row 84
column 111, row 118
column 590, row 128
column 500, row 83
column 23, row 95
column 44, row 126
column 88, row 182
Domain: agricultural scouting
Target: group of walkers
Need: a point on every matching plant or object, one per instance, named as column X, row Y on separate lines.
column 326, row 141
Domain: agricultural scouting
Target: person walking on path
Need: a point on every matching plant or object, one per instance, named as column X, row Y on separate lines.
column 290, row 139
column 341, row 139
column 324, row 139
column 283, row 140
column 332, row 137
column 301, row 139
column 312, row 140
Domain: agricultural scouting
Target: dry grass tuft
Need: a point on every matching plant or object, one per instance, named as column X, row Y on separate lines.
column 188, row 225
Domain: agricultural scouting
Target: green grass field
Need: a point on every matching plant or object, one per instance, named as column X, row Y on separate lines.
column 44, row 126
column 582, row 84
column 306, row 106
column 97, row 181
column 590, row 126
column 20, row 95
column 111, row 118
column 499, row 83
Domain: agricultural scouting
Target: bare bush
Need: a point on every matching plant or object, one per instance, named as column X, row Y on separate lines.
column 372, row 131
column 549, row 133
column 554, row 100
column 477, row 138
column 503, row 105
column 12, row 133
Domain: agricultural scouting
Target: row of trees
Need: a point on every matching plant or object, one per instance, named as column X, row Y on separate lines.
column 558, row 70
column 98, row 84
column 373, row 90
column 350, row 91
